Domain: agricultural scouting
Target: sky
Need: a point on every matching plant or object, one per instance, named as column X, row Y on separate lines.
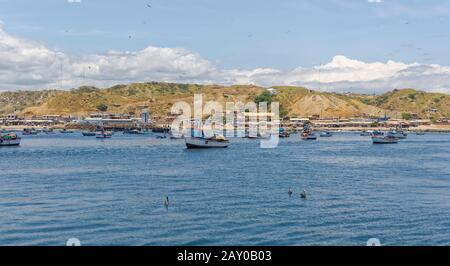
column 368, row 46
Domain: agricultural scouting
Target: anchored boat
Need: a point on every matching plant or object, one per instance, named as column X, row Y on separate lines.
column 65, row 131
column 326, row 134
column 207, row 143
column 284, row 133
column 366, row 134
column 88, row 134
column 10, row 139
column 381, row 138
column 29, row 131
column 307, row 134
column 101, row 133
column 398, row 134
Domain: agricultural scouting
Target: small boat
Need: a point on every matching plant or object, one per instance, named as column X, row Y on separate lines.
column 398, row 134
column 29, row 132
column 326, row 134
column 207, row 143
column 420, row 133
column 309, row 136
column 103, row 134
column 366, row 134
column 65, row 131
column 88, row 133
column 160, row 130
column 161, row 136
column 133, row 132
column 48, row 131
column 384, row 139
column 284, row 133
column 10, row 139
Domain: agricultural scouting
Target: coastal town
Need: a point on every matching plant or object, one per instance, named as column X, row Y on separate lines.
column 120, row 122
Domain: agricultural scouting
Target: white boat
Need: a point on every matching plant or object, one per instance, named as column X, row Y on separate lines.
column 326, row 134
column 398, row 134
column 381, row 139
column 207, row 143
column 103, row 134
column 9, row 140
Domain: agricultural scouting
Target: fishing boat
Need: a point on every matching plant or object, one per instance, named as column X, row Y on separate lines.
column 133, row 132
column 29, row 131
column 307, row 134
column 388, row 139
column 207, row 143
column 326, row 134
column 160, row 130
column 10, row 139
column 398, row 134
column 65, row 131
column 284, row 133
column 366, row 134
column 48, row 131
column 88, row 133
column 101, row 133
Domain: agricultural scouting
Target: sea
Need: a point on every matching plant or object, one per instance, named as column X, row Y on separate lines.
column 111, row 192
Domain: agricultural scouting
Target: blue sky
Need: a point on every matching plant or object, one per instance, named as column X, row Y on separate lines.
column 245, row 34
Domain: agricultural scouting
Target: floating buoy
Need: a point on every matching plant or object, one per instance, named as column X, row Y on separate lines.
column 303, row 194
column 166, row 203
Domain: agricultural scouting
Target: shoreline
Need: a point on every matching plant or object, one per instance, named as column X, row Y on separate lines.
column 426, row 129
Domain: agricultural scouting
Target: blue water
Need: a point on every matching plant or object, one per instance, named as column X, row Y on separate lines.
column 111, row 192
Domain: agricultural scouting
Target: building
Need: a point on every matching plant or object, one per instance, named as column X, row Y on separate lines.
column 119, row 121
column 145, row 116
column 273, row 91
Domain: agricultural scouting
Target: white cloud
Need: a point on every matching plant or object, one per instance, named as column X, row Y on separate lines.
column 26, row 64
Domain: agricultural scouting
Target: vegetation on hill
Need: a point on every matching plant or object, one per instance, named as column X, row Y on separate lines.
column 413, row 102
column 159, row 97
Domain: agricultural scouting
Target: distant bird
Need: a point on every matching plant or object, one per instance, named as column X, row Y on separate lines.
column 149, row 6
column 303, row 194
column 290, row 192
column 129, row 36
column 167, row 202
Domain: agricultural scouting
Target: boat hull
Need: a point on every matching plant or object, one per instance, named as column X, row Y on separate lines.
column 8, row 143
column 88, row 134
column 199, row 143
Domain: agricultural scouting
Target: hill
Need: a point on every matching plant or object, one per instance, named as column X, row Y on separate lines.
column 420, row 103
column 159, row 97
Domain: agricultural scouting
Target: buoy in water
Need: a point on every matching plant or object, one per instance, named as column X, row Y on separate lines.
column 303, row 194
column 290, row 192
column 166, row 203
